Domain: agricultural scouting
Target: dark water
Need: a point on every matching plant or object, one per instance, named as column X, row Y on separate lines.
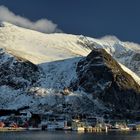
column 44, row 135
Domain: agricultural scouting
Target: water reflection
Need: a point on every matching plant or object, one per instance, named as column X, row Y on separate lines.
column 44, row 135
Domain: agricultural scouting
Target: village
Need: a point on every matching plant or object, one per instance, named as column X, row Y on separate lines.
column 25, row 120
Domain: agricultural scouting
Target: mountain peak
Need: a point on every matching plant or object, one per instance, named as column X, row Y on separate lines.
column 100, row 76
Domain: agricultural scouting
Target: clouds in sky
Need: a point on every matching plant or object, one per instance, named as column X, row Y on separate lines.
column 42, row 25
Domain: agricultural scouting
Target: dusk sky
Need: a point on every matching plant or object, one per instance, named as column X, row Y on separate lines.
column 95, row 18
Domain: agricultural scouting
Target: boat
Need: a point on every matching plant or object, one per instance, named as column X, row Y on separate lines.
column 125, row 128
column 78, row 129
column 68, row 128
column 34, row 128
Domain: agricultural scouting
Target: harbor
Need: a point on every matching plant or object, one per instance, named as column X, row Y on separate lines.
column 26, row 121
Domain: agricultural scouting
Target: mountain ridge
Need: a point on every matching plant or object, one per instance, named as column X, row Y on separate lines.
column 56, row 57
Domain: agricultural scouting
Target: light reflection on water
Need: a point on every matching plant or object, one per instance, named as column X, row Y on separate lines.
column 60, row 135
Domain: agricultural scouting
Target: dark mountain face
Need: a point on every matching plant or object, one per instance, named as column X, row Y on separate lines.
column 100, row 75
column 16, row 72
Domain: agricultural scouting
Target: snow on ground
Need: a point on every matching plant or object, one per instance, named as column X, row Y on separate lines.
column 59, row 74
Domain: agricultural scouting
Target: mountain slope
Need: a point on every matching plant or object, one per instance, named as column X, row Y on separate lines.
column 16, row 77
column 38, row 47
column 37, row 67
column 102, row 77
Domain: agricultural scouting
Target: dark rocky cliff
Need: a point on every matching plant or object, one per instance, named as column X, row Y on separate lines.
column 100, row 75
column 16, row 72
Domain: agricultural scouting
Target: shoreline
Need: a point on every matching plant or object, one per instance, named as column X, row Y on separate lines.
column 10, row 129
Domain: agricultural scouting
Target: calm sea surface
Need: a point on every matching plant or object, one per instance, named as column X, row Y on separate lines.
column 44, row 135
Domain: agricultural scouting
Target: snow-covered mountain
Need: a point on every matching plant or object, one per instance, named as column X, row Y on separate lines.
column 56, row 57
column 126, row 53
column 41, row 48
